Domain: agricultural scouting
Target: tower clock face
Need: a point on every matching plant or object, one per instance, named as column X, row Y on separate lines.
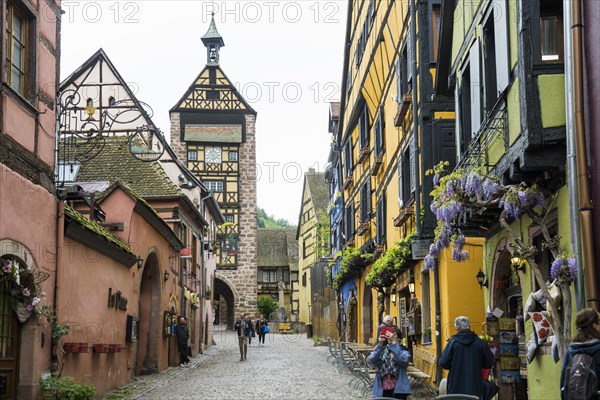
column 212, row 155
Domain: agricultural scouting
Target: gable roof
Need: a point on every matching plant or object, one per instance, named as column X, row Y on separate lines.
column 318, row 192
column 147, row 212
column 221, row 95
column 275, row 249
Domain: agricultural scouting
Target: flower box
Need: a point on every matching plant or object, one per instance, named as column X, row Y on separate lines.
column 101, row 348
column 84, row 348
column 71, row 347
column 74, row 347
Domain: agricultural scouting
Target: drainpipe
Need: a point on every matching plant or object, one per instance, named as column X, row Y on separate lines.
column 438, row 322
column 413, row 69
column 585, row 206
column 571, row 156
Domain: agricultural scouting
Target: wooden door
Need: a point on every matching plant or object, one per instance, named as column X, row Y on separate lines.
column 9, row 346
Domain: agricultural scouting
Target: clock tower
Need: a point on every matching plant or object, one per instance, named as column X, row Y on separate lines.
column 213, row 132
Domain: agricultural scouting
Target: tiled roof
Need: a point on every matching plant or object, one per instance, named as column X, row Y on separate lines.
column 115, row 162
column 334, row 109
column 274, row 249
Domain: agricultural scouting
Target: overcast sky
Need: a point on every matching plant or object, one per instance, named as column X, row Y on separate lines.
column 285, row 57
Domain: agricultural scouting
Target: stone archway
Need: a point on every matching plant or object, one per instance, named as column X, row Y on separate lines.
column 150, row 319
column 225, row 313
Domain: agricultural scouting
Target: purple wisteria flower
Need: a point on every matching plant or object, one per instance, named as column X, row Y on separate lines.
column 523, row 199
column 473, row 185
column 459, row 256
column 490, row 189
column 564, row 269
column 35, row 301
column 429, row 262
column 572, row 264
column 29, row 308
column 555, row 267
column 436, row 179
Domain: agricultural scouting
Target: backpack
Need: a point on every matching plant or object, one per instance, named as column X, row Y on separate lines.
column 581, row 381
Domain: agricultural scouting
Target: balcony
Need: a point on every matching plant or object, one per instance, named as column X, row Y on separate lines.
column 376, row 165
column 347, row 182
column 363, row 228
column 405, row 214
column 363, row 154
column 403, row 107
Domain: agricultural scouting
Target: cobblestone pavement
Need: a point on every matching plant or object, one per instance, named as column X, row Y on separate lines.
column 285, row 367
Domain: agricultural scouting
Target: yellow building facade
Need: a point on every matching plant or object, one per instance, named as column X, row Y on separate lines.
column 378, row 168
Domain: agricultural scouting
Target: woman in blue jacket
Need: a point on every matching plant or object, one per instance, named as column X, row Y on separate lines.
column 391, row 360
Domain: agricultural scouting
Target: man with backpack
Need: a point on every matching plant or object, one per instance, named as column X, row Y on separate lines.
column 581, row 366
column 243, row 327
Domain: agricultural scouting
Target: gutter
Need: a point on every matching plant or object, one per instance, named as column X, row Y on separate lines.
column 585, row 207
column 413, row 70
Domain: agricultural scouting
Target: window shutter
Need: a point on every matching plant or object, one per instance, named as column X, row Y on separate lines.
column 400, row 181
column 368, row 190
column 399, row 93
column 475, row 88
column 409, row 58
column 501, row 44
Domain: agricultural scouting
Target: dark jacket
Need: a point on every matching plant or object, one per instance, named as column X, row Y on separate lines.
column 182, row 334
column 465, row 356
column 260, row 326
column 592, row 348
column 243, row 327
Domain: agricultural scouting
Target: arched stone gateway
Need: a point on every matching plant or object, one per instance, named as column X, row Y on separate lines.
column 150, row 319
column 226, row 310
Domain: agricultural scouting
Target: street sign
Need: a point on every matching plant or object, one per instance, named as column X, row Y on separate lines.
column 420, row 248
column 186, row 252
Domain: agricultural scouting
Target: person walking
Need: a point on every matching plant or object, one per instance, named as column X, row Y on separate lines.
column 182, row 335
column 249, row 329
column 241, row 328
column 585, row 342
column 260, row 329
column 465, row 355
column 391, row 361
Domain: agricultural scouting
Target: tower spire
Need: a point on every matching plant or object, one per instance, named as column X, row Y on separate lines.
column 213, row 42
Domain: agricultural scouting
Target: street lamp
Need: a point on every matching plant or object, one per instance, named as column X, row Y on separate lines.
column 481, row 279
column 411, row 287
column 518, row 263
column 393, row 297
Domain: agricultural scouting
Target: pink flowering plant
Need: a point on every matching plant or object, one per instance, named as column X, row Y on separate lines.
column 464, row 193
column 23, row 284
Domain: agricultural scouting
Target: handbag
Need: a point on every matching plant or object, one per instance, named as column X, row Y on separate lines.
column 266, row 328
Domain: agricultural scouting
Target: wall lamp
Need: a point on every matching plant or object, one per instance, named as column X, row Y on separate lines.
column 411, row 286
column 166, row 276
column 481, row 279
column 140, row 262
column 393, row 297
column 518, row 263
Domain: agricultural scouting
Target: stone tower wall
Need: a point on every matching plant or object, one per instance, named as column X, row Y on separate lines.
column 244, row 278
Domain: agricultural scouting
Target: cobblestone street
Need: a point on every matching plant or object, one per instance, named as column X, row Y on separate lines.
column 286, row 367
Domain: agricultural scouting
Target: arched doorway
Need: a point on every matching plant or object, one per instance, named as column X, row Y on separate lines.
column 150, row 319
column 9, row 345
column 225, row 311
column 352, row 318
column 507, row 296
column 367, row 320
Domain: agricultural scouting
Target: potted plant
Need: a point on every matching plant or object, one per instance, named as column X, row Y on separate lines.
column 23, row 287
column 207, row 294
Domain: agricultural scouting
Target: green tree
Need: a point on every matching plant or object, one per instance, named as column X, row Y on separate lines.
column 266, row 305
column 263, row 220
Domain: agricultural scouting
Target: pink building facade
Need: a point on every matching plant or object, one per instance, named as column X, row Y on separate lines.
column 28, row 206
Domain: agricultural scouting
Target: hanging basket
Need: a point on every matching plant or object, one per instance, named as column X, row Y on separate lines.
column 22, row 313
